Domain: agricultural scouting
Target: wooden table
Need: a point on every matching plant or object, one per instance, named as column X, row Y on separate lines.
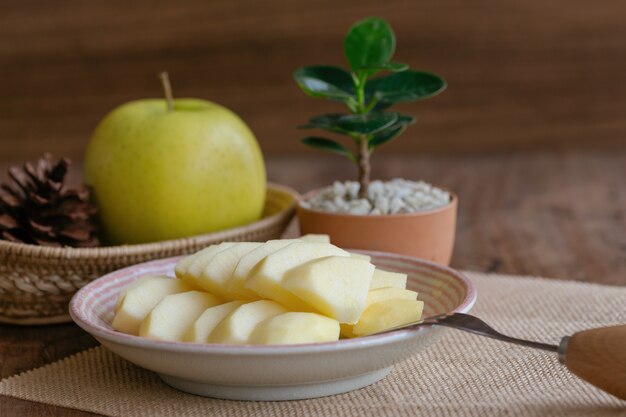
column 560, row 215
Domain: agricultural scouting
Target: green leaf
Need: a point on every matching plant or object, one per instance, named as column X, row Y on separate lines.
column 366, row 124
column 328, row 122
column 389, row 66
column 385, row 136
column 390, row 132
column 329, row 146
column 325, row 81
column 369, row 43
column 352, row 124
column 404, row 86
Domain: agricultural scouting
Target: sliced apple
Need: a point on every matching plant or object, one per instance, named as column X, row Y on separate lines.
column 190, row 270
column 183, row 265
column 135, row 284
column 295, row 327
column 360, row 256
column 236, row 327
column 384, row 278
column 315, row 238
column 174, row 314
column 237, row 282
column 336, row 286
column 389, row 293
column 388, row 314
column 138, row 299
column 266, row 277
column 377, row 295
column 201, row 329
column 219, row 269
column 202, row 258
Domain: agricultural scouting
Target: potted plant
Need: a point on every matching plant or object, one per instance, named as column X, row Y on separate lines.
column 399, row 216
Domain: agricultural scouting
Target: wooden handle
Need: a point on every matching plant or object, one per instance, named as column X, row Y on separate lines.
column 599, row 357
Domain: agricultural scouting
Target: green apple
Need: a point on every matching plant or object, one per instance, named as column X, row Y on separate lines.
column 160, row 173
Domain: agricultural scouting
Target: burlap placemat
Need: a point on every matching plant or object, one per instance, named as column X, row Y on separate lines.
column 465, row 375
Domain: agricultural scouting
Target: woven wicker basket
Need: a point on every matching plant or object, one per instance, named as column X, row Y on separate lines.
column 36, row 283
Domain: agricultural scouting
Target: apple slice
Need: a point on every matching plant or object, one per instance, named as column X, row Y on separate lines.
column 378, row 295
column 140, row 297
column 236, row 327
column 389, row 293
column 384, row 278
column 201, row 329
column 294, row 328
column 335, row 285
column 360, row 256
column 189, row 269
column 218, row 270
column 266, row 277
column 237, row 282
column 135, row 284
column 202, row 258
column 388, row 314
column 313, row 238
column 174, row 314
column 183, row 265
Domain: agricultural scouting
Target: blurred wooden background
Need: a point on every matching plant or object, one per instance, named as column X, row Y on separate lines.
column 522, row 74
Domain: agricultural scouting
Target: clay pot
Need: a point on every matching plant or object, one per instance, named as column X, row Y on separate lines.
column 426, row 234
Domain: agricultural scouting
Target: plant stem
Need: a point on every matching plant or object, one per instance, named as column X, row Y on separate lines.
column 363, row 155
column 167, row 89
column 364, row 166
column 360, row 93
column 371, row 105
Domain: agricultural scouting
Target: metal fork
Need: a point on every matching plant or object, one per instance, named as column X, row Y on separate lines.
column 473, row 324
column 597, row 355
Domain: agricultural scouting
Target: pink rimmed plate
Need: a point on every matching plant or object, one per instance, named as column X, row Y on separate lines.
column 270, row 373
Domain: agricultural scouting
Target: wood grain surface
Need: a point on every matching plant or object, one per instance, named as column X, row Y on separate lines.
column 522, row 74
column 560, row 215
column 599, row 357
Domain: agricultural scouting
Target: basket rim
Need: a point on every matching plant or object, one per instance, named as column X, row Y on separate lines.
column 36, row 251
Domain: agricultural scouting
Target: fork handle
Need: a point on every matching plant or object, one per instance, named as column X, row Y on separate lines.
column 599, row 357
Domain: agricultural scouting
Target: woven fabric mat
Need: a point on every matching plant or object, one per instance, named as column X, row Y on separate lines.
column 462, row 375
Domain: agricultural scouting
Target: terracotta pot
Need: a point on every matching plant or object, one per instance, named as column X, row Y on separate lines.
column 425, row 234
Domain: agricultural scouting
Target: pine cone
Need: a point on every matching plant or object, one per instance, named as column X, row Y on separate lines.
column 36, row 208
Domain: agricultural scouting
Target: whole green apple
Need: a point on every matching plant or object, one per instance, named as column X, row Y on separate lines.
column 165, row 169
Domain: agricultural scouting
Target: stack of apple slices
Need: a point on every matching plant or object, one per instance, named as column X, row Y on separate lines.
column 287, row 291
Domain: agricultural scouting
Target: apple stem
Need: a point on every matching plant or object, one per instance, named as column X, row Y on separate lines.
column 167, row 88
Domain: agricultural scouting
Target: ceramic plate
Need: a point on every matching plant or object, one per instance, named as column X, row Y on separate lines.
column 274, row 372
